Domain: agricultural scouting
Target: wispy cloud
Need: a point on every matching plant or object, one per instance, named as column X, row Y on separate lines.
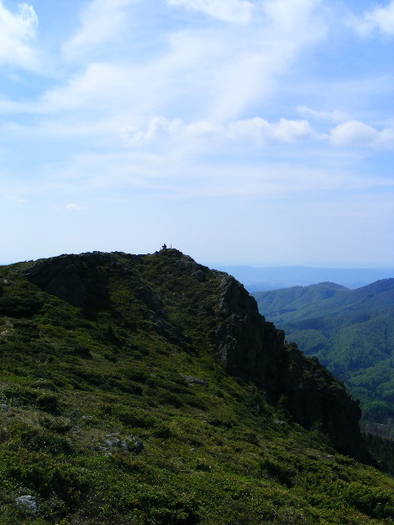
column 204, row 103
column 334, row 115
column 235, row 11
column 101, row 21
column 175, row 176
column 256, row 130
column 72, row 206
column 17, row 34
column 221, row 70
column 380, row 19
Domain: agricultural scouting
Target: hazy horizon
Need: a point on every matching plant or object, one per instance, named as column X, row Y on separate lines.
column 243, row 131
column 222, row 264
column 267, row 277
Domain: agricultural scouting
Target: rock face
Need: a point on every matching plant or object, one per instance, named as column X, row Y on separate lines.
column 79, row 280
column 248, row 346
column 197, row 308
column 254, row 349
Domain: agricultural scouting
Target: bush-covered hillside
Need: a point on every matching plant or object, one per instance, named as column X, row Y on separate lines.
column 351, row 332
column 148, row 390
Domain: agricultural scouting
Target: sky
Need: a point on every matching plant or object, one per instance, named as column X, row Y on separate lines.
column 239, row 131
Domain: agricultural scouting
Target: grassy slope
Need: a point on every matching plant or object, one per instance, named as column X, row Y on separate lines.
column 76, row 390
column 350, row 331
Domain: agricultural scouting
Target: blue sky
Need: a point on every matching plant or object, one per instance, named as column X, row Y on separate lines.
column 243, row 132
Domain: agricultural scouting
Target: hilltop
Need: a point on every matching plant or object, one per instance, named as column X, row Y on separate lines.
column 147, row 389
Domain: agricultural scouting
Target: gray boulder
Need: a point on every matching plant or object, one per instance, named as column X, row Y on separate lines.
column 27, row 503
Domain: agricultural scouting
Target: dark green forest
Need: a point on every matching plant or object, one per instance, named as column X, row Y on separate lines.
column 349, row 331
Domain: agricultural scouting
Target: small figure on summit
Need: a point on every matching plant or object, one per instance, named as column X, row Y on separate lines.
column 164, row 247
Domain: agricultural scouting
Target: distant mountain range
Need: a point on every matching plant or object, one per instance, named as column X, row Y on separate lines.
column 273, row 278
column 349, row 331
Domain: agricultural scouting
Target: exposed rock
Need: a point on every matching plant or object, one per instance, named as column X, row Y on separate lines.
column 77, row 279
column 254, row 349
column 27, row 504
column 248, row 347
column 6, row 329
column 135, row 445
column 85, row 281
column 113, row 442
column 195, row 381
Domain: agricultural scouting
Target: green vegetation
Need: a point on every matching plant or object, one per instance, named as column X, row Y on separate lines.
column 349, row 331
column 382, row 450
column 114, row 408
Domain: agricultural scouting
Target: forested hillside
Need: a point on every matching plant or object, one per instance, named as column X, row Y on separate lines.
column 349, row 331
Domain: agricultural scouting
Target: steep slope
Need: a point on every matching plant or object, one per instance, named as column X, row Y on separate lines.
column 149, row 390
column 350, row 331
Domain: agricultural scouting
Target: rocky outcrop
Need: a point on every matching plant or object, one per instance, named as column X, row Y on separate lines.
column 77, row 279
column 253, row 349
column 248, row 346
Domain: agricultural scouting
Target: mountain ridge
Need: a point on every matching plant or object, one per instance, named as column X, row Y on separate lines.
column 248, row 346
column 148, row 389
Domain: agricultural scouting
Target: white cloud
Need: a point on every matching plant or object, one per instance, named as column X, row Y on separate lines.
column 386, row 137
column 262, row 131
column 17, row 31
column 292, row 16
column 188, row 176
column 200, row 73
column 283, row 29
column 101, row 21
column 353, row 133
column 256, row 130
column 235, row 11
column 292, row 130
column 219, row 72
column 335, row 115
column 185, row 138
column 378, row 19
column 356, row 133
column 100, row 85
column 75, row 207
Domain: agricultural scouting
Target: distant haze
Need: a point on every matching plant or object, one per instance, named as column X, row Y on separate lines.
column 271, row 278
